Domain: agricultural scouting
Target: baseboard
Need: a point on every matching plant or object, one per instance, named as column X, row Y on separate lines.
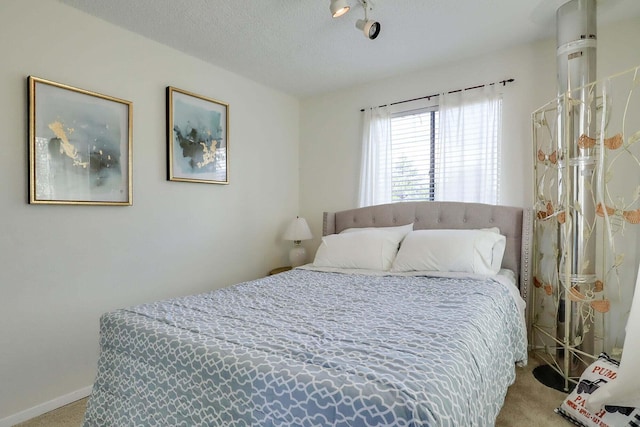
column 45, row 407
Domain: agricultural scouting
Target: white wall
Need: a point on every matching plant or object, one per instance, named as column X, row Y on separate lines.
column 62, row 266
column 330, row 124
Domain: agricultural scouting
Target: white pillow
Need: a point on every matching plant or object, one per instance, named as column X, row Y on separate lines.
column 468, row 251
column 498, row 250
column 367, row 249
column 400, row 230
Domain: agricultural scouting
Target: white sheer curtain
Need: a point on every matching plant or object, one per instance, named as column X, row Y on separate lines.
column 468, row 147
column 375, row 170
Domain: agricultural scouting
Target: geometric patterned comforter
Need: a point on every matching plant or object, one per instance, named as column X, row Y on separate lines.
column 308, row 348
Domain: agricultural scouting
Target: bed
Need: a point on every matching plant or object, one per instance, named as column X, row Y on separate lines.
column 329, row 346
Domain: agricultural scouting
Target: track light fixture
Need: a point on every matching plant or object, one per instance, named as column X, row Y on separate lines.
column 338, row 8
column 370, row 28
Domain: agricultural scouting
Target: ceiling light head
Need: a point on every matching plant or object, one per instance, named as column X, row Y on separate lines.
column 371, row 29
column 338, row 8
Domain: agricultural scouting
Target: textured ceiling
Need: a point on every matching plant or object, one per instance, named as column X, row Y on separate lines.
column 296, row 47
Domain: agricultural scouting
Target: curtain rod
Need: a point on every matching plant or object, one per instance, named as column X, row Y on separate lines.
column 428, row 97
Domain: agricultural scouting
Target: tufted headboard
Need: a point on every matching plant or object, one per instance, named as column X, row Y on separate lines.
column 515, row 223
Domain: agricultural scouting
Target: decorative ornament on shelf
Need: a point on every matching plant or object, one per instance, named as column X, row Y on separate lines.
column 586, row 163
column 581, row 303
column 298, row 230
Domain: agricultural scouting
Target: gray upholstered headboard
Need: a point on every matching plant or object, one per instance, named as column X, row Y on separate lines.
column 515, row 223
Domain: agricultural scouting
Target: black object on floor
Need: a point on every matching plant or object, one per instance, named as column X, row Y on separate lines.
column 546, row 375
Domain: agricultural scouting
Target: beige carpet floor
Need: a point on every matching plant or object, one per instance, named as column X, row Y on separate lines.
column 528, row 403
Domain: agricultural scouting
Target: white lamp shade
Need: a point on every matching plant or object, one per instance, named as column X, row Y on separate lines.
column 298, row 230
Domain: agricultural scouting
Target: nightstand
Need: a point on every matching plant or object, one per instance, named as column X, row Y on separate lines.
column 279, row 270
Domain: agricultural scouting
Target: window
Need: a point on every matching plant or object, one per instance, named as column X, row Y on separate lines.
column 413, row 161
column 460, row 163
column 445, row 152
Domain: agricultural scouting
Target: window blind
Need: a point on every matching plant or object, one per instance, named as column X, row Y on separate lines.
column 413, row 136
column 460, row 165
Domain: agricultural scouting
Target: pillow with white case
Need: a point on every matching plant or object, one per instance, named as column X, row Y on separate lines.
column 498, row 250
column 371, row 249
column 400, row 230
column 467, row 251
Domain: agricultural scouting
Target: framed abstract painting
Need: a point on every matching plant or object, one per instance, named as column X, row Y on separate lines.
column 80, row 146
column 197, row 138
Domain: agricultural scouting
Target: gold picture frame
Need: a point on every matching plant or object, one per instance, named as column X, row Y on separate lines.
column 80, row 146
column 197, row 138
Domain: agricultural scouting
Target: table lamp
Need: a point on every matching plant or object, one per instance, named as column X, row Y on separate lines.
column 298, row 230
